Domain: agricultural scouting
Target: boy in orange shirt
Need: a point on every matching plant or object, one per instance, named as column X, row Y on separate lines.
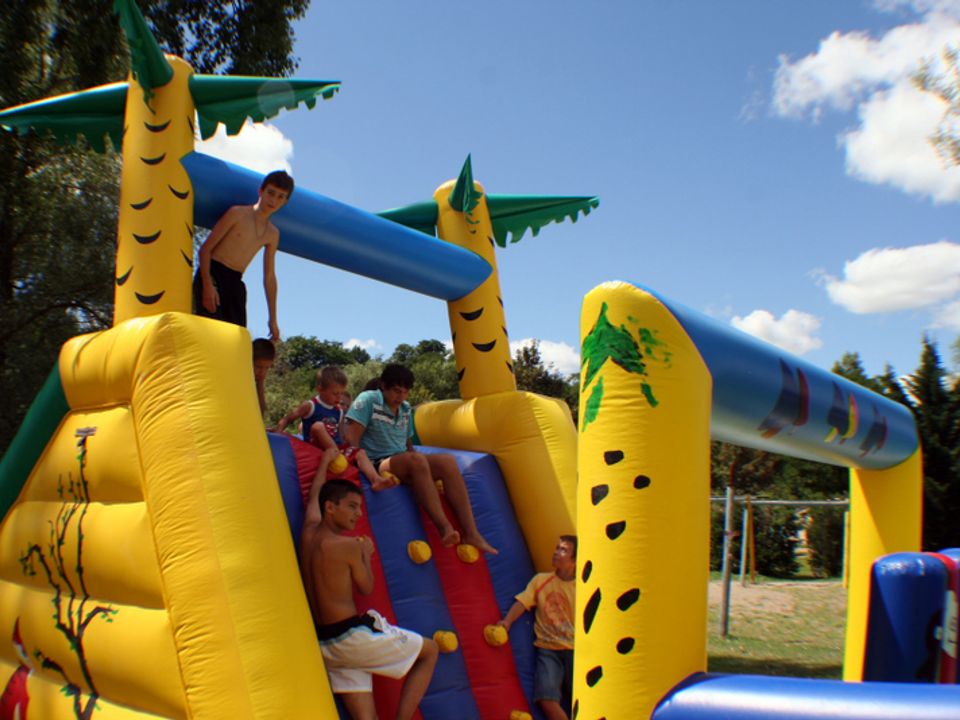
column 551, row 596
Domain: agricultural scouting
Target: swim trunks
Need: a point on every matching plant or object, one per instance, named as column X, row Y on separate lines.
column 365, row 646
column 232, row 291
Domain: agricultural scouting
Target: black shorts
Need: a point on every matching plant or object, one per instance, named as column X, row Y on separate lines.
column 232, row 291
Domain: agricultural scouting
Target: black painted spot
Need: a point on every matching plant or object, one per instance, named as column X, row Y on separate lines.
column 593, row 676
column 154, row 160
column 472, row 315
column 598, row 493
column 182, row 195
column 460, row 374
column 500, row 300
column 587, row 569
column 149, row 299
column 189, row 230
column 590, row 611
column 190, row 123
column 485, row 347
column 641, row 481
column 188, row 260
column 141, row 205
column 156, row 128
column 453, row 338
column 626, row 601
column 505, row 333
column 147, row 239
column 615, row 529
column 491, row 240
column 576, row 709
column 510, row 366
column 126, row 276
column 625, row 645
column 612, row 457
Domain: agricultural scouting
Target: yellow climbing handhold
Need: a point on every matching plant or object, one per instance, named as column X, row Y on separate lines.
column 446, row 640
column 467, row 553
column 337, row 465
column 520, row 715
column 439, row 484
column 495, row 635
column 419, row 551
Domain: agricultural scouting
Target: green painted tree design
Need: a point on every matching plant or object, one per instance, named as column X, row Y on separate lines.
column 617, row 344
column 73, row 609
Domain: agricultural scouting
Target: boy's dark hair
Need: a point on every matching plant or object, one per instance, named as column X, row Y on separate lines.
column 335, row 491
column 263, row 349
column 331, row 375
column 572, row 539
column 396, row 375
column 279, row 179
column 372, row 384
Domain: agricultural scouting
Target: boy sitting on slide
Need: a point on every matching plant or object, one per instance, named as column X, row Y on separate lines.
column 322, row 418
column 381, row 422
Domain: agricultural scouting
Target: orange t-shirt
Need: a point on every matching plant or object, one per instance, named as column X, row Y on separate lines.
column 553, row 599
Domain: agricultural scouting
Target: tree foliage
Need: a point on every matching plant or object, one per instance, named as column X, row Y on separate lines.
column 58, row 205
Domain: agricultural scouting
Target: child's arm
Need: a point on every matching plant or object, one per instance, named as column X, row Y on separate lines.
column 312, row 512
column 211, row 298
column 352, row 432
column 513, row 614
column 270, row 284
column 301, row 411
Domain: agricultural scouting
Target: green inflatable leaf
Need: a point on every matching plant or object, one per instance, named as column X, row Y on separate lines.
column 92, row 113
column 464, row 197
column 515, row 214
column 147, row 61
column 232, row 99
column 420, row 216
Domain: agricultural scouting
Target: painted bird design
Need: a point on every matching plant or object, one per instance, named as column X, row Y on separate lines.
column 792, row 407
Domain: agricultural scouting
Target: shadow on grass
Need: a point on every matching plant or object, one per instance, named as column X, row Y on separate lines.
column 772, row 666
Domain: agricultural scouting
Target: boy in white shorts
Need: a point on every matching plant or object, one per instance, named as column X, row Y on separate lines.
column 354, row 646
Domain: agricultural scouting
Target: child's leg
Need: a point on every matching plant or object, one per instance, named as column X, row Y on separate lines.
column 413, row 469
column 321, row 438
column 444, row 466
column 377, row 481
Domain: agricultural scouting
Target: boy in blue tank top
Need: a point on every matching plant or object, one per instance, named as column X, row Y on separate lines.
column 322, row 419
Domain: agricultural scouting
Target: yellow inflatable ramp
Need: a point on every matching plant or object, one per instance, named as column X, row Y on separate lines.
column 146, row 565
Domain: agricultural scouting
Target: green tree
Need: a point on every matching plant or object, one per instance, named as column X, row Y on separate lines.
column 534, row 376
column 58, row 204
column 935, row 407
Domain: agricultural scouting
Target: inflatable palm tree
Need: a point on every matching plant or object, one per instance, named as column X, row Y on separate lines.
column 151, row 116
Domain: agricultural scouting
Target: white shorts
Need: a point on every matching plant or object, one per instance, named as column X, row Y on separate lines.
column 359, row 653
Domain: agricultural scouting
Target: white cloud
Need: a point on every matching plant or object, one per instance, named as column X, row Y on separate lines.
column 890, row 279
column 855, row 71
column 794, row 332
column 362, row 344
column 556, row 356
column 948, row 316
column 260, row 147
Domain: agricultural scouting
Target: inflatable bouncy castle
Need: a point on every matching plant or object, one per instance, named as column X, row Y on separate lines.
column 148, row 544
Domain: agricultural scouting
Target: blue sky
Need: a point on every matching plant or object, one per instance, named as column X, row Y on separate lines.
column 763, row 162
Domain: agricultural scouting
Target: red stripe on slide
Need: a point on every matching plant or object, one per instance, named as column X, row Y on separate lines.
column 473, row 605
column 386, row 691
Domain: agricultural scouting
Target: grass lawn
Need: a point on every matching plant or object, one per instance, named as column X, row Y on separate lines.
column 790, row 628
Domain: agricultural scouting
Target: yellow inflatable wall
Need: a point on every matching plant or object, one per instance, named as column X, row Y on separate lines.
column 147, row 565
column 643, row 505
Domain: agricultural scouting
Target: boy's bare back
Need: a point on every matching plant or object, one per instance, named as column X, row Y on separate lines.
column 330, row 564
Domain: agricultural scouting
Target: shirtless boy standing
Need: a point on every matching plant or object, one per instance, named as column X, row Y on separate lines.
column 355, row 646
column 218, row 289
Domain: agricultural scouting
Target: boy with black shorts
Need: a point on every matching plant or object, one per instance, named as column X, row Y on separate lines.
column 218, row 289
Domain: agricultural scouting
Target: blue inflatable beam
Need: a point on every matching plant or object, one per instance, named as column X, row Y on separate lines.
column 767, row 399
column 751, row 697
column 326, row 231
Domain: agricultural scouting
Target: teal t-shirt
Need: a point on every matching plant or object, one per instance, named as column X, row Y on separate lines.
column 385, row 432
